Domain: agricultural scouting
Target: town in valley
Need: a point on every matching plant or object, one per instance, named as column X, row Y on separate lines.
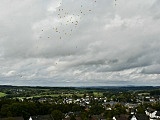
column 79, row 103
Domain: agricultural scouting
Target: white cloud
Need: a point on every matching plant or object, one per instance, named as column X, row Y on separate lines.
column 9, row 73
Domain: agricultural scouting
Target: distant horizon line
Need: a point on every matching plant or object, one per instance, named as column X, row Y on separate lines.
column 83, row 86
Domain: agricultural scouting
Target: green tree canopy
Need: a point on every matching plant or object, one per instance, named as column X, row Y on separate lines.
column 57, row 115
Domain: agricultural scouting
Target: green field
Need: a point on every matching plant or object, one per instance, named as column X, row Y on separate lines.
column 97, row 94
column 56, row 95
column 2, row 94
column 52, row 95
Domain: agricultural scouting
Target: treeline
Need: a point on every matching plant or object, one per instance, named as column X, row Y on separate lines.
column 99, row 88
column 35, row 87
column 13, row 108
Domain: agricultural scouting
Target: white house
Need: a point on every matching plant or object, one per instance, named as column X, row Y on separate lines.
column 133, row 117
column 139, row 117
column 114, row 118
column 151, row 113
column 30, row 118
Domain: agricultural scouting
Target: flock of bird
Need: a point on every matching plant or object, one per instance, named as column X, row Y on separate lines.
column 69, row 20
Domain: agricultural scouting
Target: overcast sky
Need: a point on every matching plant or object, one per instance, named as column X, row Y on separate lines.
column 79, row 42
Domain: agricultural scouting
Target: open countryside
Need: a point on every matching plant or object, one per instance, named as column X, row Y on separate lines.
column 79, row 103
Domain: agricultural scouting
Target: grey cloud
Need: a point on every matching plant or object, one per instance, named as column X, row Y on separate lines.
column 110, row 44
column 99, row 62
column 153, row 69
column 155, row 10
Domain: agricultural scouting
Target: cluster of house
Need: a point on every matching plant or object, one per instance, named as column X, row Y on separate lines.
column 80, row 101
column 131, row 117
column 151, row 114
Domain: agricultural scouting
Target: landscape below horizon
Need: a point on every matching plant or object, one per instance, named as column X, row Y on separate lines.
column 80, row 43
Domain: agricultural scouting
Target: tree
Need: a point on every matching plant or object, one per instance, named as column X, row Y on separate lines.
column 72, row 117
column 96, row 109
column 57, row 115
column 76, row 108
column 119, row 109
column 5, row 111
column 108, row 114
column 140, row 109
column 74, row 96
column 84, row 116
